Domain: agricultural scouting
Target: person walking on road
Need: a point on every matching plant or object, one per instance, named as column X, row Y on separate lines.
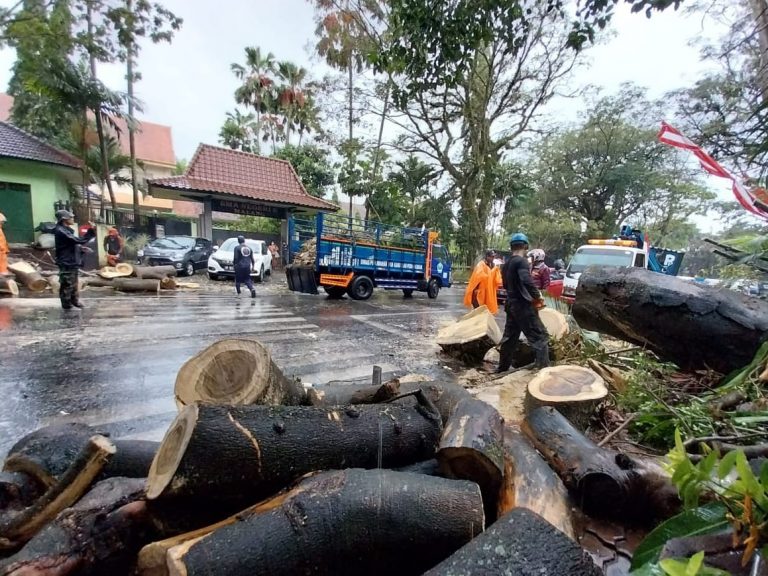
column 539, row 270
column 68, row 257
column 481, row 289
column 523, row 304
column 3, row 247
column 244, row 263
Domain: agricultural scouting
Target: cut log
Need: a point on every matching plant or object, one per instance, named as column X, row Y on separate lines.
column 218, row 452
column 8, row 287
column 573, row 390
column 521, row 542
column 612, row 376
column 124, row 268
column 28, row 275
column 555, row 322
column 97, row 282
column 119, row 271
column 530, row 483
column 47, row 453
column 18, row 490
column 19, row 528
column 154, row 272
column 136, row 285
column 188, row 285
column 471, row 336
column 376, row 522
column 605, row 483
column 98, row 535
column 168, row 283
column 235, row 372
column 694, row 326
column 336, row 395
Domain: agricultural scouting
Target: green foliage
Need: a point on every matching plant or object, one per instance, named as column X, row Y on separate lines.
column 312, row 166
column 694, row 566
column 251, row 224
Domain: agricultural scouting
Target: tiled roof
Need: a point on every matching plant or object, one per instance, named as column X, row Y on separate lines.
column 226, row 171
column 153, row 141
column 15, row 143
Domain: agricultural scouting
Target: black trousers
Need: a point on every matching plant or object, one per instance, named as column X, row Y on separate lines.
column 243, row 276
column 68, row 287
column 522, row 317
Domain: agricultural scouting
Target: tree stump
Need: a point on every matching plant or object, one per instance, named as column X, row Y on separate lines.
column 347, row 522
column 574, row 391
column 119, row 271
column 471, row 336
column 235, row 372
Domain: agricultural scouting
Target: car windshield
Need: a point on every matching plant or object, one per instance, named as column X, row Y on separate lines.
column 599, row 257
column 229, row 244
column 173, row 243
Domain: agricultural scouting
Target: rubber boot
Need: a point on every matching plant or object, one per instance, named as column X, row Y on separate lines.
column 542, row 356
column 253, row 293
column 77, row 304
column 506, row 352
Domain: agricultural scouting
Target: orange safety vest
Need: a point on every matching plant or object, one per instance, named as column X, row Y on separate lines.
column 485, row 280
column 3, row 253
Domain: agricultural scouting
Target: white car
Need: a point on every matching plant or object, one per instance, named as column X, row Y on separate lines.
column 220, row 264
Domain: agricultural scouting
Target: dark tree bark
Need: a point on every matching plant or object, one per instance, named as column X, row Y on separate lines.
column 691, row 325
column 218, row 452
column 336, row 395
column 521, row 542
column 376, row 522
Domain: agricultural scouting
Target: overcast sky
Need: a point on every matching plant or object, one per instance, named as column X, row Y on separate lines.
column 188, row 84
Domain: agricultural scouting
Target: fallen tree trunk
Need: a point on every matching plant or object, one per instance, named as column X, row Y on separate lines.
column 218, row 452
column 18, row 490
column 521, row 542
column 98, row 282
column 335, row 395
column 573, row 390
column 122, row 270
column 8, row 287
column 235, row 372
column 154, row 272
column 136, row 285
column 349, row 522
column 605, row 483
column 19, row 528
column 691, row 325
column 530, row 483
column 470, row 337
column 47, row 453
column 98, row 535
column 28, row 275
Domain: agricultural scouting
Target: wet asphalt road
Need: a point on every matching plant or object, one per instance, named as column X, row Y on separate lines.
column 114, row 364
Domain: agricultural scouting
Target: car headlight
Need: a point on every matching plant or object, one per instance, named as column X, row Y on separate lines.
column 140, row 254
column 179, row 255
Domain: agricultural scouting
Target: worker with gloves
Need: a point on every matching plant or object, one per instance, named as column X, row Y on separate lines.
column 481, row 289
column 3, row 247
column 523, row 304
column 244, row 263
column 539, row 270
column 68, row 257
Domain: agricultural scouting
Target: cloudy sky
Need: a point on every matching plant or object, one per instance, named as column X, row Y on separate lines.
column 188, row 84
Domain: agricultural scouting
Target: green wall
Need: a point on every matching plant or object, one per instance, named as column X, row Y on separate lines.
column 47, row 184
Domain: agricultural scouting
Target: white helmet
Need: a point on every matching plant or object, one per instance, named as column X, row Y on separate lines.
column 537, row 254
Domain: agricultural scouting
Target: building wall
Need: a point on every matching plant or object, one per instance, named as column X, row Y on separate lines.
column 124, row 193
column 47, row 184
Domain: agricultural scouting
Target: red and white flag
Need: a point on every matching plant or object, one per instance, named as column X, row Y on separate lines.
column 673, row 137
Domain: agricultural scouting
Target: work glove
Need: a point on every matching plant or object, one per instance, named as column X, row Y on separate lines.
column 539, row 303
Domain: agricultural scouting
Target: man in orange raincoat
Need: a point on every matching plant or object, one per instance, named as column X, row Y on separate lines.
column 485, row 279
column 3, row 247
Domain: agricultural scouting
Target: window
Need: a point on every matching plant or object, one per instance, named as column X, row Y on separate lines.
column 599, row 257
column 640, row 260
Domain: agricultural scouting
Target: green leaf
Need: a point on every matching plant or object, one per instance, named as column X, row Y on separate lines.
column 726, row 464
column 703, row 520
column 650, row 569
column 674, row 567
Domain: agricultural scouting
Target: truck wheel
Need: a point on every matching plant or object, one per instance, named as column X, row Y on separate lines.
column 361, row 288
column 407, row 293
column 335, row 292
column 433, row 288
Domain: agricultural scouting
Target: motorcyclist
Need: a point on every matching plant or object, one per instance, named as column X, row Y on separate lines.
column 539, row 270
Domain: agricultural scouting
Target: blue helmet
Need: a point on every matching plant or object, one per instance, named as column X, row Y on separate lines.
column 518, row 238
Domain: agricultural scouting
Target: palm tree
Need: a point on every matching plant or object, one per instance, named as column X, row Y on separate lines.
column 258, row 86
column 115, row 169
column 239, row 132
column 292, row 97
column 307, row 118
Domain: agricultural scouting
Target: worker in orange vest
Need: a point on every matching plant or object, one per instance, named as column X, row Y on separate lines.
column 3, row 247
column 481, row 289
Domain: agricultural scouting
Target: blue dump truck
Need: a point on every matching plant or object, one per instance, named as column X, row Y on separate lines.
column 347, row 256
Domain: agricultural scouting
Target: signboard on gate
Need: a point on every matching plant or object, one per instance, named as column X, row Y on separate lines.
column 247, row 208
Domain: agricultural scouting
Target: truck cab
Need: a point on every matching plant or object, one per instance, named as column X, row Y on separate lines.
column 610, row 255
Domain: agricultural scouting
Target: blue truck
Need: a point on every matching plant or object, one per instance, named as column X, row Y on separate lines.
column 353, row 257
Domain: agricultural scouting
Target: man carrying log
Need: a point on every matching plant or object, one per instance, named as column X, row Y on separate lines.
column 481, row 289
column 244, row 263
column 3, row 247
column 522, row 308
column 68, row 257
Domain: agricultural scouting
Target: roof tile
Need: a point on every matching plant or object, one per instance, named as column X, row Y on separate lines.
column 15, row 143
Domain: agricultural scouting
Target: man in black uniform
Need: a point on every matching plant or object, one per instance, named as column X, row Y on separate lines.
column 244, row 263
column 523, row 303
column 68, row 255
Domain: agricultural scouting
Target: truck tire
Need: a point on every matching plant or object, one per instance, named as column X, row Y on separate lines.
column 335, row 292
column 433, row 288
column 361, row 288
column 407, row 292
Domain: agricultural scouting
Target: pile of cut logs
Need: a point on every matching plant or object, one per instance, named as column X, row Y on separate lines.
column 123, row 278
column 257, row 475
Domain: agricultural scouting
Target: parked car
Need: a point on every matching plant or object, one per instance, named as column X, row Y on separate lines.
column 220, row 264
column 185, row 253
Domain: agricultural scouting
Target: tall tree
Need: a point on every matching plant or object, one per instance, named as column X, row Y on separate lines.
column 257, row 88
column 312, row 165
column 291, row 96
column 413, row 177
column 239, row 132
